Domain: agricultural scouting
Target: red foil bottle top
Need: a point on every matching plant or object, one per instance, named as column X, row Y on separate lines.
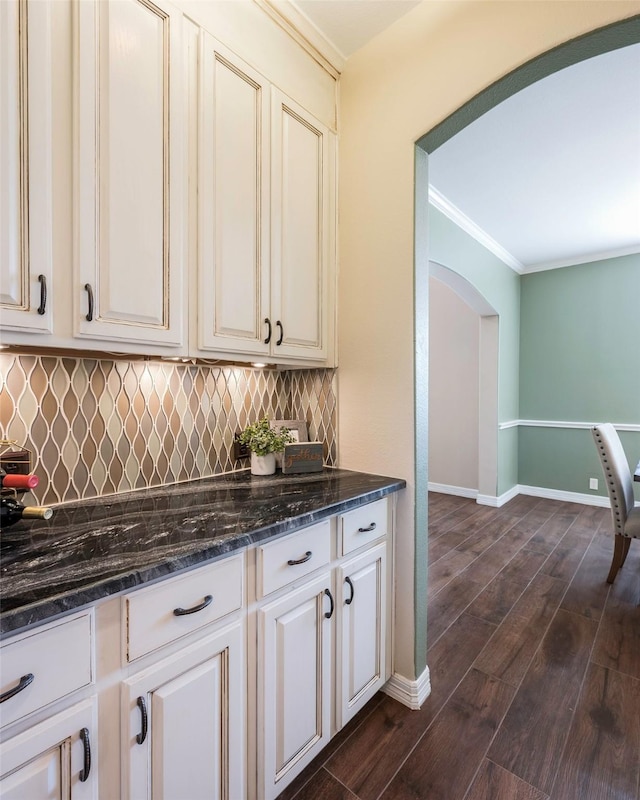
column 20, row 481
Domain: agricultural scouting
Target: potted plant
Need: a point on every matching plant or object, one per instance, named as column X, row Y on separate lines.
column 264, row 442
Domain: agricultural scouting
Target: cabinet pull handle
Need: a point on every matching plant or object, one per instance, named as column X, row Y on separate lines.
column 43, row 294
column 371, row 527
column 281, row 337
column 292, row 563
column 84, row 735
column 353, row 591
column 89, row 292
column 328, row 614
column 180, row 612
column 267, row 322
column 140, row 737
column 25, row 680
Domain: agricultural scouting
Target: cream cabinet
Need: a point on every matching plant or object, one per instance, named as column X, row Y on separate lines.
column 26, row 227
column 362, row 630
column 46, row 752
column 129, row 172
column 322, row 636
column 294, row 699
column 266, row 217
column 183, row 732
column 233, row 288
column 302, row 231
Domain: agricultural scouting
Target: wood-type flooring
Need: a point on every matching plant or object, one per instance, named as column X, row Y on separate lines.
column 534, row 663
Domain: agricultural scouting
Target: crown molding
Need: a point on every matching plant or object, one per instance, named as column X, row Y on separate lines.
column 583, row 259
column 292, row 20
column 628, row 427
column 439, row 201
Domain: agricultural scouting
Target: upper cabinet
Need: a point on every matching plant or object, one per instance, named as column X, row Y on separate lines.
column 265, row 211
column 25, row 166
column 130, row 170
column 302, row 234
column 233, row 191
column 161, row 196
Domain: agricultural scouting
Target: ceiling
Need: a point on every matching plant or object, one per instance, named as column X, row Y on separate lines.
column 551, row 176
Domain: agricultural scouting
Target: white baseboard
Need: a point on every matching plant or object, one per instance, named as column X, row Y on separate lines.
column 569, row 497
column 459, row 491
column 410, row 693
column 497, row 501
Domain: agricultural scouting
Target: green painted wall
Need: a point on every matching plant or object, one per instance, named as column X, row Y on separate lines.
column 450, row 246
column 579, row 362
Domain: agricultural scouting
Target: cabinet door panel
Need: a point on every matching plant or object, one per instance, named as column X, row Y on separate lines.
column 300, row 229
column 25, row 166
column 184, row 741
column 295, row 682
column 129, row 171
column 363, row 629
column 46, row 761
column 233, row 297
column 195, row 739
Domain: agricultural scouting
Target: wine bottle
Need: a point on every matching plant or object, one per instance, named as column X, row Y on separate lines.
column 18, row 481
column 11, row 511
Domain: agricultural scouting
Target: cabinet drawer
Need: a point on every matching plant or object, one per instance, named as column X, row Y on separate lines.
column 151, row 620
column 293, row 557
column 363, row 525
column 58, row 656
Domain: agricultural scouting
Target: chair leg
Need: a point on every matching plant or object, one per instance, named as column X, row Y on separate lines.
column 621, row 548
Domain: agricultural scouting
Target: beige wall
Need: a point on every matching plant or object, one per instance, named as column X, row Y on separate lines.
column 454, row 381
column 392, row 91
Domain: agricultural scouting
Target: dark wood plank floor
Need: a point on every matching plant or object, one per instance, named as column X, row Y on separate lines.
column 534, row 662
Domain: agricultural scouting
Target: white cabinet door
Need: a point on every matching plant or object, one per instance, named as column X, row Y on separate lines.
column 294, row 682
column 233, row 196
column 183, row 723
column 129, row 172
column 25, row 166
column 302, row 171
column 53, row 760
column 362, row 600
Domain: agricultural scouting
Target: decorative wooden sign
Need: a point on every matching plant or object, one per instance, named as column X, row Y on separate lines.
column 302, row 457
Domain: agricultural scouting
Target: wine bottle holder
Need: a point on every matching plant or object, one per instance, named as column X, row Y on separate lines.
column 14, row 460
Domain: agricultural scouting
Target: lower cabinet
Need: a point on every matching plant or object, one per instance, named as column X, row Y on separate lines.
column 53, row 760
column 321, row 639
column 362, row 600
column 222, row 683
column 294, row 698
column 183, row 729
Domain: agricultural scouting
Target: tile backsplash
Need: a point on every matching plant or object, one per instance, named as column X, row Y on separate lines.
column 99, row 426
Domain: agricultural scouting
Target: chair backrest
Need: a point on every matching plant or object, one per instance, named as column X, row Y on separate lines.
column 616, row 472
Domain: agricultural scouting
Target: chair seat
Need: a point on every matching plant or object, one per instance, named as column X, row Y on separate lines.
column 632, row 525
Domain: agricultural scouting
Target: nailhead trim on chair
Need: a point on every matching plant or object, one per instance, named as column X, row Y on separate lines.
column 615, row 507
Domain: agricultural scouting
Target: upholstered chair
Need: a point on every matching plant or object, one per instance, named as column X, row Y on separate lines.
column 626, row 517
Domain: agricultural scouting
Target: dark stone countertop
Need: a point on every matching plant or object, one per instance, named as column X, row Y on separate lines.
column 95, row 548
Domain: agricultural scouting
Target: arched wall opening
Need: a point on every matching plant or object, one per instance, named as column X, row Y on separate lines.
column 602, row 40
column 463, row 379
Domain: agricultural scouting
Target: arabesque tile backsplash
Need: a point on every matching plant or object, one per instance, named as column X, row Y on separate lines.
column 99, row 426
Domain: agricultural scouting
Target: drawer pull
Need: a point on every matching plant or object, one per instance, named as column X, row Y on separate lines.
column 84, row 735
column 25, row 680
column 43, row 294
column 140, row 737
column 328, row 614
column 293, row 563
column 180, row 612
column 353, row 591
column 371, row 527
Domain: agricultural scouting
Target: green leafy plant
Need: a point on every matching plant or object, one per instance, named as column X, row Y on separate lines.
column 262, row 439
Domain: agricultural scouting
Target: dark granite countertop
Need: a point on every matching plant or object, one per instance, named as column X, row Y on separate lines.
column 92, row 549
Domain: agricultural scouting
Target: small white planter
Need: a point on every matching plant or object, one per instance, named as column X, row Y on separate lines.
column 263, row 465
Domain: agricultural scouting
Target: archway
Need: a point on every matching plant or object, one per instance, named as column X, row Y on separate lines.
column 479, row 462
column 602, row 40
